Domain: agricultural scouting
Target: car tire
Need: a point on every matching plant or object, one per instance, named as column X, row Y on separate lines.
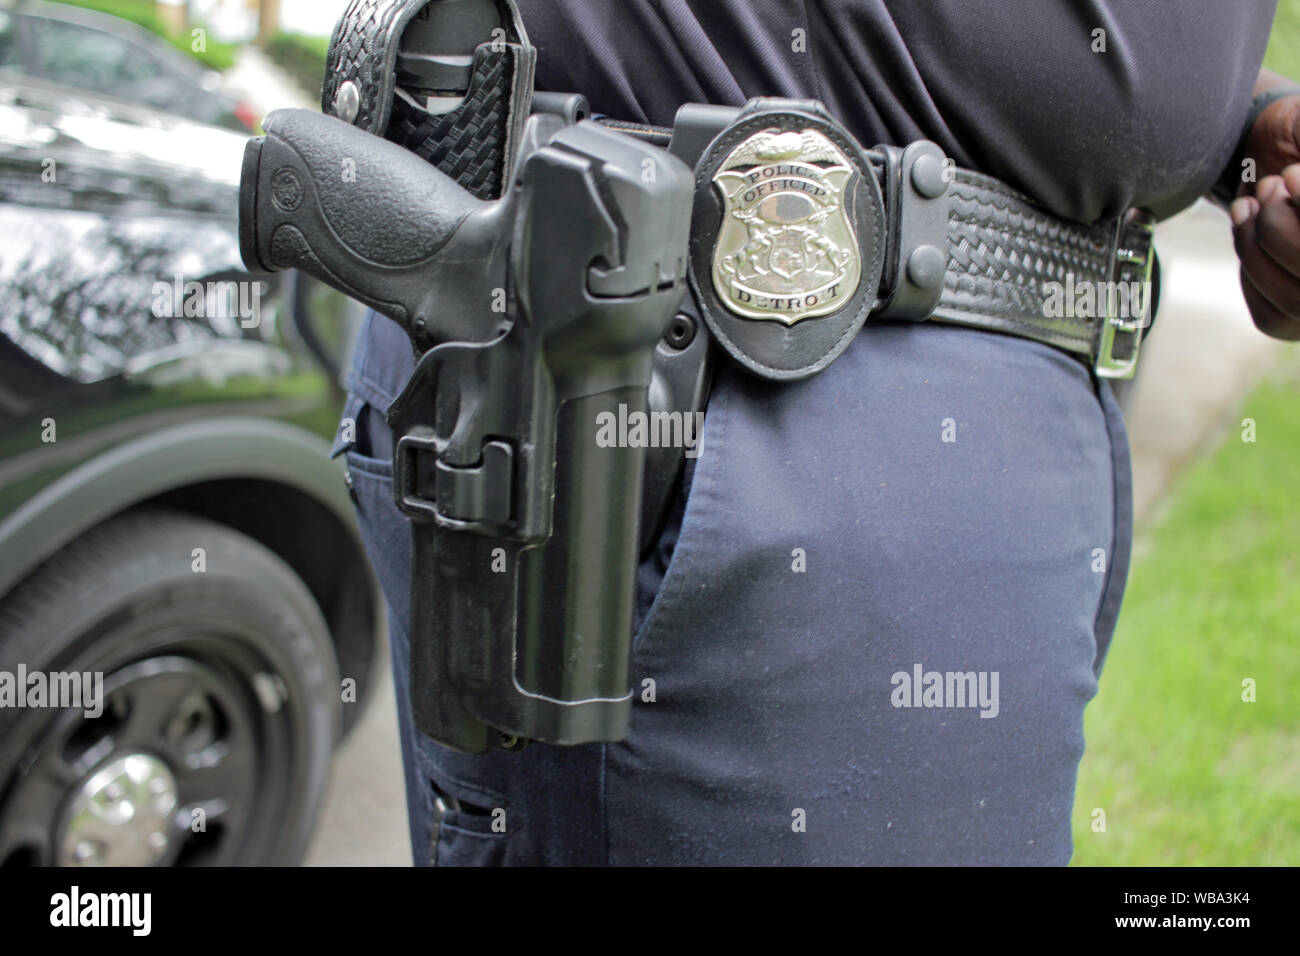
column 220, row 701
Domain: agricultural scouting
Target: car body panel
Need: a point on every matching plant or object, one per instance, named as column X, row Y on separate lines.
column 123, row 384
column 98, row 53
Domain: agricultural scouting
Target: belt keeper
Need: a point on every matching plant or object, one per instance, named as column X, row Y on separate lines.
column 916, row 188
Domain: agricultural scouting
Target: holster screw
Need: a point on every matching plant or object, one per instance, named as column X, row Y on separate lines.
column 681, row 332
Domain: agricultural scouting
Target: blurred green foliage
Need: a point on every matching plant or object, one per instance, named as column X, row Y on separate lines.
column 303, row 57
column 1283, row 53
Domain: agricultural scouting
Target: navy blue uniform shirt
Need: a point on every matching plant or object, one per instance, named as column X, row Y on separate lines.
column 1019, row 89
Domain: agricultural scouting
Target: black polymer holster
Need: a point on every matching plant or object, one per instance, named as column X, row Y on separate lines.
column 531, row 314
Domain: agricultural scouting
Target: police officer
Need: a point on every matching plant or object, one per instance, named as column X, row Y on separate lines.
column 933, row 503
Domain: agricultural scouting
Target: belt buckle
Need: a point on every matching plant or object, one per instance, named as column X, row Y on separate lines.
column 1133, row 263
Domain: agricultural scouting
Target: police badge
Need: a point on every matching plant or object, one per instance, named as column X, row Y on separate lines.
column 786, row 249
column 787, row 244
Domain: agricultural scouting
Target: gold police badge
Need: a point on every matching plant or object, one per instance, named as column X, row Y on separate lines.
column 786, row 249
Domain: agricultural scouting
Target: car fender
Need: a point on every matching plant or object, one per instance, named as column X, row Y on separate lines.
column 153, row 464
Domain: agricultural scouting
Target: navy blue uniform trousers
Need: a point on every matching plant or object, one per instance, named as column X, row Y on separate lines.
column 939, row 501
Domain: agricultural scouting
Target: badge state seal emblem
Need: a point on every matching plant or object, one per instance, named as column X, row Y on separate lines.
column 786, row 249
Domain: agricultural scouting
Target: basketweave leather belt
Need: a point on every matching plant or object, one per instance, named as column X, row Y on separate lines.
column 800, row 236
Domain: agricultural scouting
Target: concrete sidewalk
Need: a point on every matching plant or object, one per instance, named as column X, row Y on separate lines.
column 363, row 821
column 1201, row 359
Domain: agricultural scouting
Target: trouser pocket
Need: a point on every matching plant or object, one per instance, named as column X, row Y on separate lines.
column 451, row 800
column 466, row 834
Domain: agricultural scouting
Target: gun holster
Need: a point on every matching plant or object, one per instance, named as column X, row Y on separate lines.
column 532, row 316
column 525, row 537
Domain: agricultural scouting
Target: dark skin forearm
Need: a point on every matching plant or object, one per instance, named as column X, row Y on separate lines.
column 1274, row 143
column 1266, row 218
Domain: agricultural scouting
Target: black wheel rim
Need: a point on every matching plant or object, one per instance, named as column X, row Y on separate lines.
column 188, row 764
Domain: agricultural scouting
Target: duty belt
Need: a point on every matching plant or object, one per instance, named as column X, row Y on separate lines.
column 837, row 234
column 800, row 236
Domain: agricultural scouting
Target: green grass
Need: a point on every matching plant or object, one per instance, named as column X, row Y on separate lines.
column 1187, row 772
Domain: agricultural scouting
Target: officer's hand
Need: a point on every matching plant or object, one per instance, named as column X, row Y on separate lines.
column 1266, row 222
